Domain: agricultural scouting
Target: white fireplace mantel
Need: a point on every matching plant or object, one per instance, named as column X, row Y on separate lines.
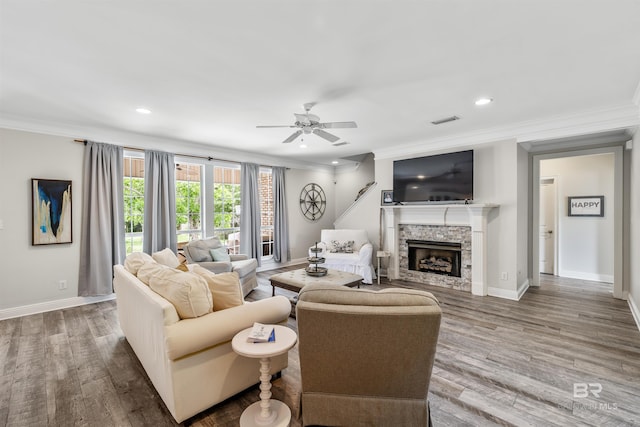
column 472, row 215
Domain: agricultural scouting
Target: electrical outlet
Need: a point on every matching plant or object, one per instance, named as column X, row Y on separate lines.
column 504, row 276
column 62, row 285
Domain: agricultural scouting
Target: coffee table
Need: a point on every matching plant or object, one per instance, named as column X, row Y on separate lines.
column 266, row 412
column 295, row 280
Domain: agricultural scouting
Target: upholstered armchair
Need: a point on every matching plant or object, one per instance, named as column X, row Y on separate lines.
column 366, row 357
column 346, row 250
column 202, row 252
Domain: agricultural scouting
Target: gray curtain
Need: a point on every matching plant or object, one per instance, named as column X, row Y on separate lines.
column 280, row 224
column 159, row 227
column 250, row 238
column 102, row 243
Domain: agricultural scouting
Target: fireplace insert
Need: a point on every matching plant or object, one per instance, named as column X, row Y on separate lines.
column 435, row 257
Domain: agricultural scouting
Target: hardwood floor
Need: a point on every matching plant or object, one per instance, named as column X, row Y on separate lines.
column 498, row 362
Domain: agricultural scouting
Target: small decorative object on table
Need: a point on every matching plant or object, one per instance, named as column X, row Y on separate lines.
column 313, row 269
column 262, row 333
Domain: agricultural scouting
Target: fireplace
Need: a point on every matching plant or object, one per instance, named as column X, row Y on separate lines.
column 435, row 257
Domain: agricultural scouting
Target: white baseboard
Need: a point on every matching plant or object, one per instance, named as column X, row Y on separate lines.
column 523, row 288
column 508, row 293
column 635, row 311
column 26, row 310
column 594, row 277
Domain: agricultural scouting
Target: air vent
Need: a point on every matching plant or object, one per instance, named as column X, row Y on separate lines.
column 445, row 120
column 337, row 144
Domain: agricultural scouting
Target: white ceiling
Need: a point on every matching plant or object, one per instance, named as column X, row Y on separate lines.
column 212, row 70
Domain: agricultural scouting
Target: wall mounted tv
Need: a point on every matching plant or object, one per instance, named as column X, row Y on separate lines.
column 440, row 178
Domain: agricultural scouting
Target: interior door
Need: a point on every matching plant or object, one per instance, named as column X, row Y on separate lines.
column 547, row 225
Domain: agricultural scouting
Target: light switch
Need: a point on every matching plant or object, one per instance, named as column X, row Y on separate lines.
column 1, row 224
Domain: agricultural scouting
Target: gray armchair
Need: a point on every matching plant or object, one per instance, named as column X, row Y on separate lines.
column 365, row 356
column 199, row 252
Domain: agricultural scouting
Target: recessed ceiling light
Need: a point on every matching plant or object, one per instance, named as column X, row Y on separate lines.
column 303, row 145
column 483, row 101
column 335, row 162
column 143, row 110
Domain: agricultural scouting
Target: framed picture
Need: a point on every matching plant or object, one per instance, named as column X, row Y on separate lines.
column 51, row 211
column 586, row 206
column 386, row 198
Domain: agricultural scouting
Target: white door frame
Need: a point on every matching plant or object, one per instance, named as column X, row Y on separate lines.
column 617, row 212
column 556, row 232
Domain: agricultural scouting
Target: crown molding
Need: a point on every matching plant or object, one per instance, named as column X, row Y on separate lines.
column 142, row 141
column 584, row 123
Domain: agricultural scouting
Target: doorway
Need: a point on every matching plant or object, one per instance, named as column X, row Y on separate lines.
column 577, row 253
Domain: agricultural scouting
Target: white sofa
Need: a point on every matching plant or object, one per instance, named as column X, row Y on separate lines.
column 358, row 262
column 190, row 362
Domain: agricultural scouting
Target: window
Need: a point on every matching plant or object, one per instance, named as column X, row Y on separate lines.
column 133, row 202
column 188, row 202
column 266, row 211
column 226, row 206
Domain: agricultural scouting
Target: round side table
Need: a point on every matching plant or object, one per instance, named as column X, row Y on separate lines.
column 266, row 412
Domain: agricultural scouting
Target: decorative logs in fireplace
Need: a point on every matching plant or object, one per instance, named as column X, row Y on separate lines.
column 435, row 257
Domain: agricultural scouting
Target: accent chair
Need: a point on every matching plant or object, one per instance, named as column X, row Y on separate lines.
column 200, row 252
column 366, row 356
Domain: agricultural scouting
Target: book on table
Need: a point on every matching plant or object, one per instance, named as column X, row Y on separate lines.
column 262, row 333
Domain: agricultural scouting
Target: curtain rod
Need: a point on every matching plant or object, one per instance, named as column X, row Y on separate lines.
column 209, row 158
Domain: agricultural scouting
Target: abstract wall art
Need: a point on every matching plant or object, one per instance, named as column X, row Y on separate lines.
column 51, row 211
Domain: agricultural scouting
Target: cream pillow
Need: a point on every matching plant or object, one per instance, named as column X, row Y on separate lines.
column 166, row 257
column 188, row 292
column 134, row 261
column 225, row 288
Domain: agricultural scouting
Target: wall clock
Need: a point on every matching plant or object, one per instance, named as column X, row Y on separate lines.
column 312, row 201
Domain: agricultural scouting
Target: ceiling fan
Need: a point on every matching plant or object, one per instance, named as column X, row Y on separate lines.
column 310, row 123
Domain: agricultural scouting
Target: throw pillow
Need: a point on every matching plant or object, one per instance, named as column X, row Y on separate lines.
column 188, row 292
column 220, row 254
column 225, row 288
column 166, row 257
column 348, row 246
column 335, row 246
column 342, row 247
column 134, row 261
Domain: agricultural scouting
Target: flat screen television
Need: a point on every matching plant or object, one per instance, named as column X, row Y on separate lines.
column 431, row 179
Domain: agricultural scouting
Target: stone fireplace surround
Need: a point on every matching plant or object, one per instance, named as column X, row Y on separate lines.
column 473, row 217
column 437, row 233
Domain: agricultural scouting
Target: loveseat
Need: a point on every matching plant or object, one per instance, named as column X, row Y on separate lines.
column 190, row 361
column 200, row 252
column 346, row 250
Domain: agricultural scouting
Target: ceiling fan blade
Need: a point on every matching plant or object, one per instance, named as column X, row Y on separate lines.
column 326, row 135
column 292, row 137
column 336, row 125
column 276, row 126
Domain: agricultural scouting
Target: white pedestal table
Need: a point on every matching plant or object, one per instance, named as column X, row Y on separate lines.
column 266, row 412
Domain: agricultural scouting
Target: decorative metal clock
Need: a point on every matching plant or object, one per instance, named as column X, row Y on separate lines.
column 312, row 201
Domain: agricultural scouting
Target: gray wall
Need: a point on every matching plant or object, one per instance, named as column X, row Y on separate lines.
column 30, row 274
